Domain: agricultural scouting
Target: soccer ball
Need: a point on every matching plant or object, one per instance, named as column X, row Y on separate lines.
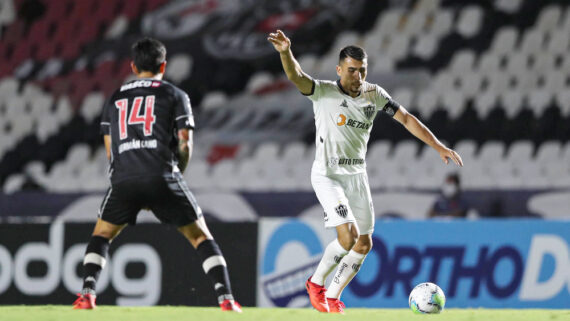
column 427, row 298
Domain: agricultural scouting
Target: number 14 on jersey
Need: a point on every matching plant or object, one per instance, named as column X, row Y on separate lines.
column 147, row 119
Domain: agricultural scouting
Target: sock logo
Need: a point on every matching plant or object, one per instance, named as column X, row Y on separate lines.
column 356, row 267
column 341, row 210
column 339, row 273
column 337, row 259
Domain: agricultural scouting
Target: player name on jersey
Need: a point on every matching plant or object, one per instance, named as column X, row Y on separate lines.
column 140, row 83
column 138, row 144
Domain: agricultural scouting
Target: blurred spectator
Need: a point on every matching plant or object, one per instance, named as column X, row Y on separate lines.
column 450, row 203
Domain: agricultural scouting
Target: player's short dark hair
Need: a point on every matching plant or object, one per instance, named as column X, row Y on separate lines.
column 454, row 177
column 148, row 54
column 353, row 52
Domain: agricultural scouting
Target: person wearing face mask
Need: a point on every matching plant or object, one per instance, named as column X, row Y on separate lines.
column 450, row 203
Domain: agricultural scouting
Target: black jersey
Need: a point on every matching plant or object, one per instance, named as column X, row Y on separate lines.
column 143, row 118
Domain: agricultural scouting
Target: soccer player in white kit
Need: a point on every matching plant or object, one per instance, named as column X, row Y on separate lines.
column 344, row 113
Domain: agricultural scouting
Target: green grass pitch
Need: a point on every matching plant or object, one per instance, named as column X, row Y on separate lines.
column 103, row 313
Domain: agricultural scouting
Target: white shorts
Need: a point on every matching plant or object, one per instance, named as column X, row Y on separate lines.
column 345, row 198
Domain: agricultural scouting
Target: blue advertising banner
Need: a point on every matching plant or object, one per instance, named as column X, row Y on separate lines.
column 486, row 263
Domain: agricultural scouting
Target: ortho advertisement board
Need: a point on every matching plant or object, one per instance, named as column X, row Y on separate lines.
column 148, row 264
column 487, row 263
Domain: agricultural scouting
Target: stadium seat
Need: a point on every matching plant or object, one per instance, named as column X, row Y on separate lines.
column 563, row 101
column 558, row 43
column 426, row 46
column 259, row 80
column 467, row 149
column 427, row 102
column 345, row 39
column 555, row 82
column 223, row 175
column 13, row 183
column 549, row 151
column 197, row 174
column 7, row 12
column 504, row 41
column 266, row 152
column 378, row 151
column 309, row 61
column 548, row 19
column 498, row 82
column 399, row 45
column 405, row 151
column 543, row 62
column 117, row 27
column 469, row 21
column 488, row 63
column 485, row 102
column 538, row 100
column 443, row 83
column 427, row 6
column 179, row 67
column 491, row 151
column 63, row 110
column 532, row 42
column 520, row 151
column 454, row 103
column 471, row 84
column 512, row 101
column 462, row 62
column 92, row 106
column 442, row 23
column 388, row 22
column 214, row 100
column 415, row 23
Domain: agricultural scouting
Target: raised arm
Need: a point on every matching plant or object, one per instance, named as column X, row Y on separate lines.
column 184, row 148
column 418, row 129
column 290, row 65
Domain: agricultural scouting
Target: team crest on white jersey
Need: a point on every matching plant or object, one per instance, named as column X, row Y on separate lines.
column 369, row 111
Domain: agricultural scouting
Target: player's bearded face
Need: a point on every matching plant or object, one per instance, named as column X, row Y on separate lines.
column 352, row 74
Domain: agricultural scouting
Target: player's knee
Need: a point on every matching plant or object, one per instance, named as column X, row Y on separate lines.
column 110, row 235
column 347, row 241
column 363, row 246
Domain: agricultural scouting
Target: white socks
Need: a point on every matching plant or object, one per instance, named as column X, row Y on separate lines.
column 333, row 255
column 347, row 269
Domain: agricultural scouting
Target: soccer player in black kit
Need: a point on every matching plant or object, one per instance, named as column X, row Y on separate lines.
column 147, row 126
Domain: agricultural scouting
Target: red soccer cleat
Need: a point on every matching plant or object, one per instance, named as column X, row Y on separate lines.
column 317, row 296
column 230, row 305
column 336, row 305
column 84, row 301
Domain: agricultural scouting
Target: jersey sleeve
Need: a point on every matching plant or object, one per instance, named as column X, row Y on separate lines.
column 105, row 127
column 316, row 90
column 183, row 111
column 385, row 103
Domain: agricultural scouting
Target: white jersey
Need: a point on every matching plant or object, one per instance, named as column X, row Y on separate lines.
column 344, row 124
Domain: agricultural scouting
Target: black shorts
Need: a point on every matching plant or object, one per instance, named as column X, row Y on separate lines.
column 167, row 196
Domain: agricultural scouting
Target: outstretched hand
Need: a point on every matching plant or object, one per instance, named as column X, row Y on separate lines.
column 448, row 153
column 279, row 41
